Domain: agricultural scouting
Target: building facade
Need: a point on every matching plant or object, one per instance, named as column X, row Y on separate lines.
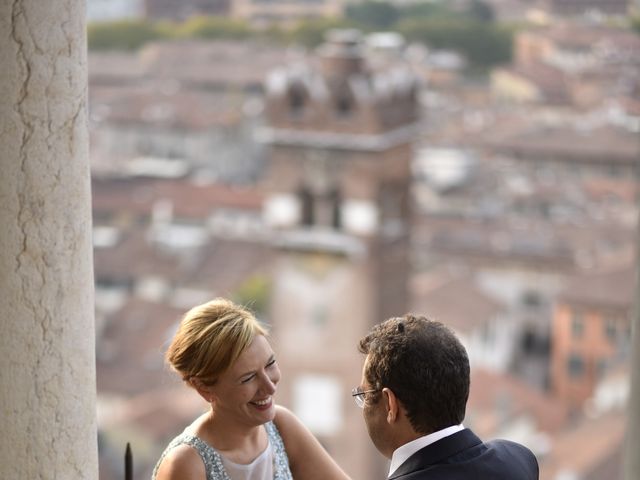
column 591, row 333
column 337, row 202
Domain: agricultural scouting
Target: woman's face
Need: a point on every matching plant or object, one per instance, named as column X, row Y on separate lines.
column 245, row 391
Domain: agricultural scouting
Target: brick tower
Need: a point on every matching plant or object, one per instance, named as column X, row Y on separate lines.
column 338, row 184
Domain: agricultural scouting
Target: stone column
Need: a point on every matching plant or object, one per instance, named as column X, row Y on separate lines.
column 631, row 458
column 47, row 370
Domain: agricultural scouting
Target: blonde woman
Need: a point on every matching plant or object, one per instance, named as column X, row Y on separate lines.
column 222, row 351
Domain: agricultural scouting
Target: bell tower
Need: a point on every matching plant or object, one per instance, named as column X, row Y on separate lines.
column 339, row 136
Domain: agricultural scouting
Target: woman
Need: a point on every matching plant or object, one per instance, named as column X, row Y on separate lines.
column 221, row 351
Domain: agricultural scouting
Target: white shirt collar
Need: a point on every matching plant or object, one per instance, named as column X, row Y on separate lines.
column 401, row 454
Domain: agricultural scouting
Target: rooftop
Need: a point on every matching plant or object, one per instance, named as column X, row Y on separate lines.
column 438, row 294
column 209, row 65
column 188, row 200
column 608, row 289
column 495, row 399
column 600, row 144
column 168, row 105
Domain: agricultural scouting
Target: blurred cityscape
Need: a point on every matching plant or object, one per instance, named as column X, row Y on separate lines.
column 331, row 184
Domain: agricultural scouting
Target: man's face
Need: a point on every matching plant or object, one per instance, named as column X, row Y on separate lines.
column 375, row 417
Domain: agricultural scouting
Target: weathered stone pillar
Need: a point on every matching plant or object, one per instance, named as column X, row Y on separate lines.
column 47, row 367
column 631, row 458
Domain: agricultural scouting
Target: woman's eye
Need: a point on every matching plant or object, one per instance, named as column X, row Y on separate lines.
column 271, row 363
column 247, row 380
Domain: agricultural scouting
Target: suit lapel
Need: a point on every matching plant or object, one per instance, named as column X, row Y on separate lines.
column 437, row 452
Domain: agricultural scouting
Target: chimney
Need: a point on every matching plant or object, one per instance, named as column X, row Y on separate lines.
column 341, row 55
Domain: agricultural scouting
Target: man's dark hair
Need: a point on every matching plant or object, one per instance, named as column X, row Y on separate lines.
column 424, row 364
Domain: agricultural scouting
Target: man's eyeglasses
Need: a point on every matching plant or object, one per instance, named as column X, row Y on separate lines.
column 358, row 395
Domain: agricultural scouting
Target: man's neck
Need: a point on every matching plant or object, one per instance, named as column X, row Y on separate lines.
column 402, row 453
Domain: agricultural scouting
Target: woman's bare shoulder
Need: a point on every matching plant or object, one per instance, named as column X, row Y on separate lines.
column 181, row 462
column 286, row 420
column 307, row 458
column 282, row 413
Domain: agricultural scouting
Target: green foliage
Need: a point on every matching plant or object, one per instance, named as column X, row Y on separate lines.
column 254, row 293
column 122, row 34
column 132, row 34
column 469, row 30
column 212, row 27
column 472, row 10
column 373, row 15
column 481, row 11
column 635, row 23
column 274, row 34
column 310, row 33
column 427, row 10
column 381, row 15
column 482, row 44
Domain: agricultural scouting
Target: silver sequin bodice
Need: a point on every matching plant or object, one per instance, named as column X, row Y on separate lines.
column 213, row 461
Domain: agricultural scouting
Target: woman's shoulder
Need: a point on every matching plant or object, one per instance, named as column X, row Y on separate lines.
column 307, row 458
column 289, row 426
column 284, row 417
column 181, row 462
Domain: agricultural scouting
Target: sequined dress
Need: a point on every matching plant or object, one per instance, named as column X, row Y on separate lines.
column 212, row 460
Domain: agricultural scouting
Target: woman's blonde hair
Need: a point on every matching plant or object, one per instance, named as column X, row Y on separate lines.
column 210, row 339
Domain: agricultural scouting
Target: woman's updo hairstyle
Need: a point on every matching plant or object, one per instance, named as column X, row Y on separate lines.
column 210, row 339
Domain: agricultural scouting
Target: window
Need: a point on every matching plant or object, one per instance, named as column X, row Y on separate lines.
column 336, row 216
column 531, row 299
column 610, row 329
column 343, row 99
column 577, row 325
column 317, row 401
column 488, row 336
column 575, row 366
column 307, row 202
column 297, row 100
column 344, row 105
column 602, row 367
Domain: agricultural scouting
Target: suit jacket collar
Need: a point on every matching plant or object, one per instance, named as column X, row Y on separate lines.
column 438, row 451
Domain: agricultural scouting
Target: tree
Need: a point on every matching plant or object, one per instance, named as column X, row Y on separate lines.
column 213, row 27
column 254, row 293
column 480, row 11
column 635, row 23
column 484, row 45
column 427, row 10
column 311, row 33
column 373, row 15
column 122, row 34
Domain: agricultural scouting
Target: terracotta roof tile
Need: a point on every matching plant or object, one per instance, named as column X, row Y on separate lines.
column 610, row 289
column 188, row 200
column 585, row 448
column 131, row 348
column 605, row 144
column 453, row 299
column 496, row 398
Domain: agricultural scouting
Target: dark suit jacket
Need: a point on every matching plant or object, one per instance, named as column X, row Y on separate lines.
column 464, row 456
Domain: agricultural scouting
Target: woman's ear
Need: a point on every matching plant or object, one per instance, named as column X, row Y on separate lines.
column 392, row 405
column 203, row 390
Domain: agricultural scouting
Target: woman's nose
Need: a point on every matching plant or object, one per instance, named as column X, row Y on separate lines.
column 270, row 382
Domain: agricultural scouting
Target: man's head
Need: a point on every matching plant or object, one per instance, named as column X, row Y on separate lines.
column 419, row 372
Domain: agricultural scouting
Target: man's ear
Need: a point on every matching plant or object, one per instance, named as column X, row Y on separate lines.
column 392, row 404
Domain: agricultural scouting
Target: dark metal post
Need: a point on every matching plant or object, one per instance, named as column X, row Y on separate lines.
column 128, row 463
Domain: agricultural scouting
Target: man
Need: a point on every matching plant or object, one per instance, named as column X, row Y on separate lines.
column 414, row 390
